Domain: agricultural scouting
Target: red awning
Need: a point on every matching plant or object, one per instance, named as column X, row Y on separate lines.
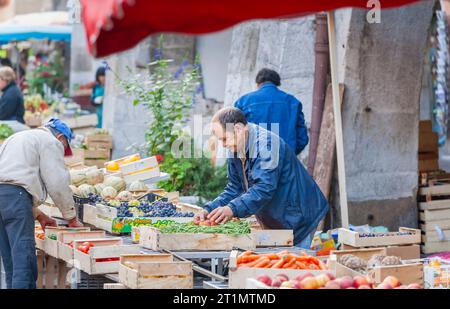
column 116, row 25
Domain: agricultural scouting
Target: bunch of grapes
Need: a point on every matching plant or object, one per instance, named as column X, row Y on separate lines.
column 124, row 211
column 94, row 199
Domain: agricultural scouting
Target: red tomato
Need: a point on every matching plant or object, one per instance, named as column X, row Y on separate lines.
column 84, row 249
column 87, row 244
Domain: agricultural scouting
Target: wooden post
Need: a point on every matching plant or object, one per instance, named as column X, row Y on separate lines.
column 338, row 121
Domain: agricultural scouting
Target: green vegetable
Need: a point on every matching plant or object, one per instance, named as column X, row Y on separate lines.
column 230, row 228
column 52, row 236
column 5, row 131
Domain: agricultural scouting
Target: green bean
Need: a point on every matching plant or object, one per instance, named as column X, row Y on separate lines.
column 230, row 228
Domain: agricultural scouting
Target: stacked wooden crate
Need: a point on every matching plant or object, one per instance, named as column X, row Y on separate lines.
column 404, row 243
column 98, row 150
column 434, row 216
column 428, row 147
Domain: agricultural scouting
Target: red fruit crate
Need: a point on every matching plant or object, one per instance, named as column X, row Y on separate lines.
column 103, row 257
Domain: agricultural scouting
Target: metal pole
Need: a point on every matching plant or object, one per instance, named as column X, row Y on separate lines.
column 338, row 121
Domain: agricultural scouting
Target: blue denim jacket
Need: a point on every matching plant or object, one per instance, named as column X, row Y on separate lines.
column 269, row 105
column 280, row 192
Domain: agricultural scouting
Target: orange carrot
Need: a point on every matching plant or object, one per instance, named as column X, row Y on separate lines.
column 289, row 264
column 265, row 261
column 249, row 258
column 300, row 265
column 271, row 256
column 278, row 264
column 253, row 263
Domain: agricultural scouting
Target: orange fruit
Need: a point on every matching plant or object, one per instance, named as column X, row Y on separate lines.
column 112, row 166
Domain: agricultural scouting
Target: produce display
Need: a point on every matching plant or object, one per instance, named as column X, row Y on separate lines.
column 360, row 265
column 86, row 248
column 145, row 209
column 114, row 166
column 328, row 281
column 35, row 104
column 282, row 259
column 385, row 234
column 40, row 235
column 230, row 228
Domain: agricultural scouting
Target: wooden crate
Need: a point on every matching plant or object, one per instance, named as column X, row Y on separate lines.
column 152, row 238
column 51, row 245
column 406, row 273
column 155, row 271
column 274, row 238
column 103, row 248
column 425, row 126
column 65, row 252
column 97, row 162
column 40, row 243
column 97, row 154
column 237, row 276
column 407, row 252
column 353, row 239
column 90, row 214
column 140, row 170
column 99, row 141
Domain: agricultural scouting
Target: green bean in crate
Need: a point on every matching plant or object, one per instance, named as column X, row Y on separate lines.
column 229, row 228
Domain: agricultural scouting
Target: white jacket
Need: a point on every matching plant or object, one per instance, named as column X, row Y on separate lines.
column 34, row 160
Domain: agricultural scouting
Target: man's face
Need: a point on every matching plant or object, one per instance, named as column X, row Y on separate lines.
column 3, row 84
column 232, row 139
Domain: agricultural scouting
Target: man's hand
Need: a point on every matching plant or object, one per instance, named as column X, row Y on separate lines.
column 45, row 221
column 221, row 214
column 201, row 216
column 75, row 223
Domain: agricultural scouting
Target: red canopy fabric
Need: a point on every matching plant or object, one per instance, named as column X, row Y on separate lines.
column 117, row 25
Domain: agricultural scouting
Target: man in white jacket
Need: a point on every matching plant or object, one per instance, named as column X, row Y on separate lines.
column 31, row 166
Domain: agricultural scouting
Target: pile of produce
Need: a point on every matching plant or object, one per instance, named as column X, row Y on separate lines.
column 283, row 259
column 360, row 265
column 328, row 281
column 91, row 183
column 39, row 235
column 145, row 209
column 35, row 103
column 86, row 248
column 385, row 234
column 5, row 131
column 114, row 166
column 230, row 228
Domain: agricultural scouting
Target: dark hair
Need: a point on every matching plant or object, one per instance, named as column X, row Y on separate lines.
column 100, row 72
column 229, row 115
column 6, row 62
column 268, row 75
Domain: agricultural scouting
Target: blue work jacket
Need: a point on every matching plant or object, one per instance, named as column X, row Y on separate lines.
column 273, row 185
column 269, row 105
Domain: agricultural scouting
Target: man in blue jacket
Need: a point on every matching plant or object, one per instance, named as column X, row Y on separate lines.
column 265, row 179
column 270, row 107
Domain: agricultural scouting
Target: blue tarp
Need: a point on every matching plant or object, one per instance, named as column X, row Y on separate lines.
column 20, row 33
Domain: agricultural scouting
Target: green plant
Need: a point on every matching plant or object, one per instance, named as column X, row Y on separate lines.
column 169, row 97
column 50, row 73
column 5, row 131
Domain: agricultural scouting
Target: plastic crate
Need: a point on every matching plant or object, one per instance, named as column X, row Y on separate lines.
column 92, row 282
column 79, row 205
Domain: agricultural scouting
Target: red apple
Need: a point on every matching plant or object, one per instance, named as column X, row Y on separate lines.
column 332, row 285
column 277, row 282
column 282, row 277
column 345, row 282
column 265, row 279
column 331, row 276
column 392, row 281
column 359, row 281
column 309, row 283
column 296, row 284
column 303, row 276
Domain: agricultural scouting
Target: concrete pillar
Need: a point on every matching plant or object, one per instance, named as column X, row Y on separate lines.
column 286, row 46
column 381, row 66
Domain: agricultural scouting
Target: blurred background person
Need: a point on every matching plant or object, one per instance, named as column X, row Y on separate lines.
column 269, row 105
column 98, row 92
column 11, row 100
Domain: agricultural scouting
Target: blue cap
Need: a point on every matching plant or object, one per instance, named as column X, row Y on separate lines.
column 61, row 127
